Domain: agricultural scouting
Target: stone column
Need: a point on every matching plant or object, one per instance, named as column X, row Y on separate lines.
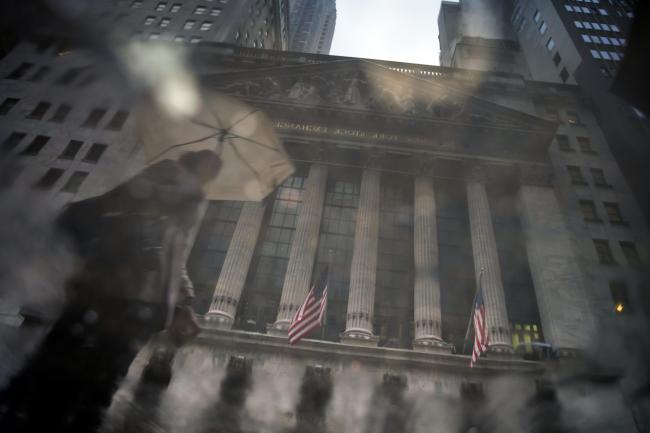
column 567, row 321
column 486, row 261
column 361, row 298
column 303, row 249
column 235, row 266
column 426, row 303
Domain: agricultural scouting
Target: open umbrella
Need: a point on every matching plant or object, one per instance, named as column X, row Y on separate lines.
column 254, row 161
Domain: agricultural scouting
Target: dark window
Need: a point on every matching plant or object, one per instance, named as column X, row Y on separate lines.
column 604, row 252
column 393, row 313
column 71, row 149
column 557, row 59
column 12, row 141
column 74, row 182
column 36, row 145
column 40, row 110
column 563, row 143
column 573, row 118
column 564, row 75
column 61, row 113
column 575, row 173
column 20, row 71
column 7, row 105
column 49, row 178
column 585, row 145
column 94, row 118
column 70, row 75
column 260, row 300
column 96, row 151
column 614, row 213
column 118, row 120
column 598, row 176
column 631, row 254
column 337, row 235
column 40, row 74
column 618, row 291
column 210, row 248
column 588, row 209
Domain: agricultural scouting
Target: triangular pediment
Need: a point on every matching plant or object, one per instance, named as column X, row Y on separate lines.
column 365, row 86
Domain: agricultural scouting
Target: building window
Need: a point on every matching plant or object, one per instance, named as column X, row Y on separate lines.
column 20, row 71
column 149, row 20
column 199, row 10
column 537, row 16
column 7, row 105
column 160, row 7
column 48, row 180
column 614, row 28
column 598, row 175
column 393, row 312
column 588, row 209
column 179, row 39
column 71, row 149
column 189, row 24
column 586, row 38
column 614, row 213
column 631, row 254
column 563, row 143
column 69, row 76
column 210, row 248
column 40, row 74
column 578, row 24
column 165, row 22
column 154, row 36
column 575, row 173
column 564, row 75
column 175, row 8
column 118, row 120
column 205, row 25
column 37, row 144
column 604, row 252
column 603, row 12
column 542, row 28
column 618, row 291
column 550, row 45
column 605, row 55
column 215, row 12
column 13, row 141
column 94, row 118
column 572, row 118
column 261, row 297
column 585, row 145
column 39, row 111
column 61, row 113
column 595, row 54
column 557, row 59
column 96, row 151
column 195, row 40
column 136, row 4
column 74, row 182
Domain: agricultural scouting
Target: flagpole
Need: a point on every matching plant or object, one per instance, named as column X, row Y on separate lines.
column 471, row 315
column 330, row 253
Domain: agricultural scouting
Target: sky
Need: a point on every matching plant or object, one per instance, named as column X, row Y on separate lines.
column 399, row 30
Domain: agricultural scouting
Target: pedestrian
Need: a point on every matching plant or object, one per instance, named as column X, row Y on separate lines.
column 132, row 242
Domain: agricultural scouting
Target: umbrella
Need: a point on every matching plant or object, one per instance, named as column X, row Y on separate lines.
column 254, row 162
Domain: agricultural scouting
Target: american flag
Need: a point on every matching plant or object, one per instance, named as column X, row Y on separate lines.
column 310, row 315
column 481, row 336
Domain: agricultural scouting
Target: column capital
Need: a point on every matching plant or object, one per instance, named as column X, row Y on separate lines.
column 535, row 175
column 474, row 171
column 423, row 165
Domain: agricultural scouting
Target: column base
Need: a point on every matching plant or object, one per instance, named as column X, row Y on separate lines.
column 502, row 351
column 278, row 329
column 218, row 320
column 431, row 345
column 359, row 338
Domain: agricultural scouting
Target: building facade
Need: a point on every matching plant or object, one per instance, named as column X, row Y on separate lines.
column 420, row 191
column 312, row 25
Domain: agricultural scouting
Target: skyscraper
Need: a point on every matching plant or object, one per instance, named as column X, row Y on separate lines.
column 312, row 24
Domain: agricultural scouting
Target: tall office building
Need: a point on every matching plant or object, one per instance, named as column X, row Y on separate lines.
column 312, row 24
column 562, row 41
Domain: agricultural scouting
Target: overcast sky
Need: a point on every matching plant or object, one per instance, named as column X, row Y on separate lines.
column 400, row 30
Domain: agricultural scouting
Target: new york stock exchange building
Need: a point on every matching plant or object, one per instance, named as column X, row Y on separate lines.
column 418, row 184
